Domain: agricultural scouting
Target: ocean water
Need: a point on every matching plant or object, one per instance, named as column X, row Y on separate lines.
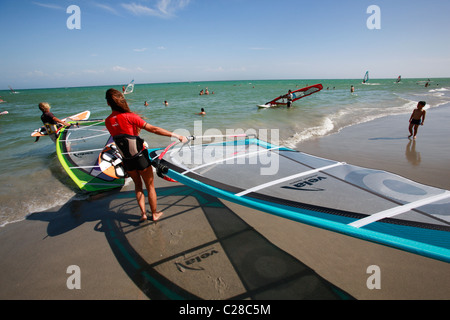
column 32, row 180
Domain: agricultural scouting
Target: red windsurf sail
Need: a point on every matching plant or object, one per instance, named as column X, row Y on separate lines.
column 297, row 94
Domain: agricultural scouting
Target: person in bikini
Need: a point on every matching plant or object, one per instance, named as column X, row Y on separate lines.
column 417, row 119
column 125, row 126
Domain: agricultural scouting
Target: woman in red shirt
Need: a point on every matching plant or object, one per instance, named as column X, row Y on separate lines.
column 125, row 127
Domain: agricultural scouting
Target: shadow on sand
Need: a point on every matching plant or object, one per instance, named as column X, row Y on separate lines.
column 199, row 249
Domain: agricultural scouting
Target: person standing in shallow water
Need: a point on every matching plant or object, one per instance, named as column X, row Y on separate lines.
column 417, row 119
column 125, row 126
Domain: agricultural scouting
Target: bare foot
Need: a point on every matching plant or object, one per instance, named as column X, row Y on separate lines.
column 143, row 218
column 157, row 215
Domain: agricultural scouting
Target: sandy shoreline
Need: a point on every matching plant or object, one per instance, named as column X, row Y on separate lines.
column 383, row 144
column 247, row 255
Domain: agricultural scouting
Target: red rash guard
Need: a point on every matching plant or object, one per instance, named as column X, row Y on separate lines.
column 124, row 123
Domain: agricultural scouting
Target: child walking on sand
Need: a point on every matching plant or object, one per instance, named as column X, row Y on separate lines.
column 417, row 118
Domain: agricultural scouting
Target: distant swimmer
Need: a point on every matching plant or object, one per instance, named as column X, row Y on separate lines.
column 166, row 103
column 146, row 103
column 202, row 112
column 417, row 119
column 352, row 89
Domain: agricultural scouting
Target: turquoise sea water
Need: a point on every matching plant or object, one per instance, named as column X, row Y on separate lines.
column 31, row 178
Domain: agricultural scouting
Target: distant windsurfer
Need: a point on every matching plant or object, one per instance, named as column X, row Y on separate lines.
column 417, row 118
column 50, row 121
column 125, row 126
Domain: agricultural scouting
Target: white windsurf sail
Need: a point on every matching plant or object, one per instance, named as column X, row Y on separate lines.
column 369, row 204
column 130, row 88
column 366, row 77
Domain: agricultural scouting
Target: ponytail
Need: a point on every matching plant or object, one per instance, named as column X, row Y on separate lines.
column 117, row 101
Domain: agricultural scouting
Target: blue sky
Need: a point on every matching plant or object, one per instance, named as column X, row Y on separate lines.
column 200, row 40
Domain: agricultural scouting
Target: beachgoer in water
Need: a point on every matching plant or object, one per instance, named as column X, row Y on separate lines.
column 289, row 97
column 202, row 112
column 417, row 119
column 125, row 126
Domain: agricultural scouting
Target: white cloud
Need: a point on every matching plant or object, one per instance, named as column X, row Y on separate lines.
column 218, row 69
column 140, row 50
column 37, row 73
column 128, row 70
column 260, row 48
column 92, row 71
column 107, row 8
column 162, row 9
column 225, row 70
column 140, row 10
column 48, row 5
column 120, row 69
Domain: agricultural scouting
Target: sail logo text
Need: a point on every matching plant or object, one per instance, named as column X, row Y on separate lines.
column 308, row 184
column 191, row 262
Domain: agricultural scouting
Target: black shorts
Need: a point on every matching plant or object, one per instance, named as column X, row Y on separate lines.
column 140, row 162
column 414, row 121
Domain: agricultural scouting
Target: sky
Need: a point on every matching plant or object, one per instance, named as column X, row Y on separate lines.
column 47, row 44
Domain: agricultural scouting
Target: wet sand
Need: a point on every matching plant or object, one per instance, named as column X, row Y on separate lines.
column 383, row 144
column 205, row 248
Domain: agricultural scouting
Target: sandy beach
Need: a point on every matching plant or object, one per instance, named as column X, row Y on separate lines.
column 205, row 248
